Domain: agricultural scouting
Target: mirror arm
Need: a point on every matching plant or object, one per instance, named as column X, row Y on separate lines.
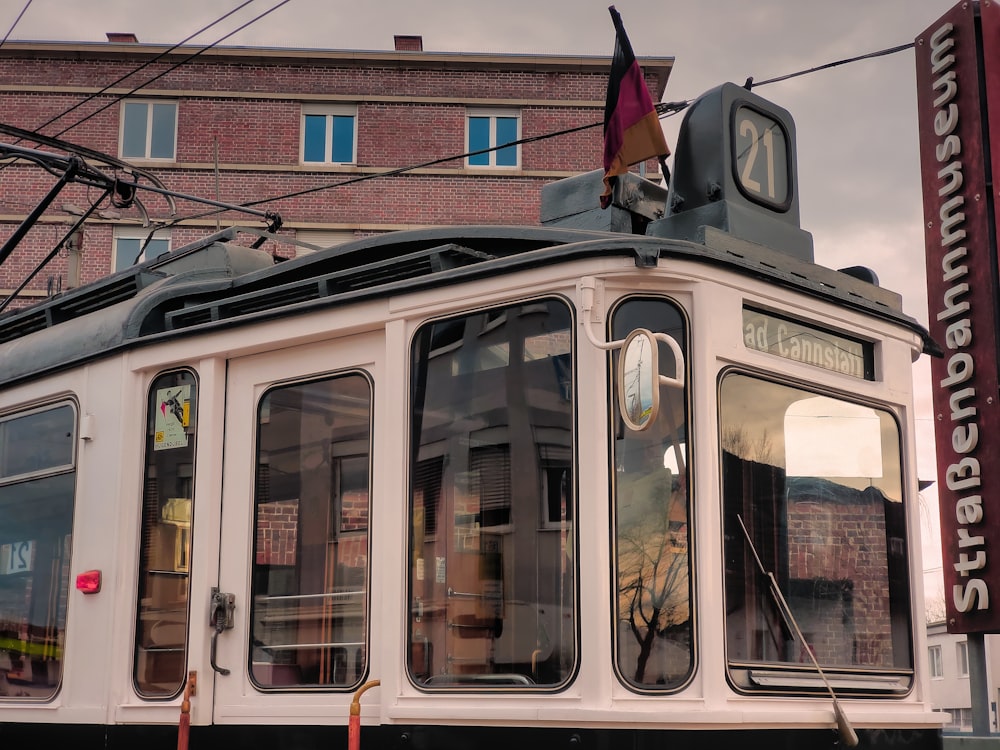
column 678, row 381
column 588, row 286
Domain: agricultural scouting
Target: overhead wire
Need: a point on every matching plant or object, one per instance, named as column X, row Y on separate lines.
column 142, row 67
column 663, row 110
column 845, row 61
column 16, row 22
column 173, row 67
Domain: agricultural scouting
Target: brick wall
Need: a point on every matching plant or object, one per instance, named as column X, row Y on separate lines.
column 407, row 114
column 839, row 549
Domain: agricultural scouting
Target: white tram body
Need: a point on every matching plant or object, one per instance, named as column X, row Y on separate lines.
column 406, row 460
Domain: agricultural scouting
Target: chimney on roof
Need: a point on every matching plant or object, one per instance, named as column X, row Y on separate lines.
column 123, row 37
column 409, row 43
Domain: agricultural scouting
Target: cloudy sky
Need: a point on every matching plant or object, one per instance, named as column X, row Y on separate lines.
column 859, row 177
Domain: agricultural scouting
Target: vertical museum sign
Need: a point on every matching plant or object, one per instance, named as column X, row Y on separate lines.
column 958, row 105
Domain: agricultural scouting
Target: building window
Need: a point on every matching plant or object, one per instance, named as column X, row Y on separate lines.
column 310, row 572
column 961, row 720
column 328, row 134
column 149, row 130
column 488, row 130
column 37, row 486
column 130, row 250
column 492, row 591
column 791, row 497
column 165, row 548
column 654, row 647
column 962, row 652
column 934, row 657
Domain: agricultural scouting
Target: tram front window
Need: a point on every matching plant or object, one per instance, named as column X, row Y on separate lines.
column 492, row 574
column 816, row 483
column 653, row 645
column 37, row 479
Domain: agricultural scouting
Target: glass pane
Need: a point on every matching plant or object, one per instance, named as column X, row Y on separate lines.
column 654, row 647
column 816, row 482
column 165, row 542
column 36, row 442
column 164, row 127
column 314, row 138
column 479, row 138
column 126, row 252
column 506, row 133
column 492, row 581
column 343, row 139
column 36, row 525
column 134, row 130
column 310, row 574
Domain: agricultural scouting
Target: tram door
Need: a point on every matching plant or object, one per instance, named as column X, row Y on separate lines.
column 290, row 618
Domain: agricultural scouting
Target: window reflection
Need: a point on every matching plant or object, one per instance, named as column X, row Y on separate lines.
column 167, row 503
column 310, row 574
column 492, row 581
column 654, row 647
column 36, row 525
column 817, row 482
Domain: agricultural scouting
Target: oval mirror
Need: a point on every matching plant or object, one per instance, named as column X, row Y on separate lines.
column 639, row 380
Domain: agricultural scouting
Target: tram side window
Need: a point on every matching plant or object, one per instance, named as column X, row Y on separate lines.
column 653, row 643
column 165, row 541
column 310, row 574
column 492, row 575
column 816, row 481
column 37, row 483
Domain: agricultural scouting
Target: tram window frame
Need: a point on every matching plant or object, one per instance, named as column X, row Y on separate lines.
column 871, row 650
column 33, row 654
column 297, row 564
column 666, row 661
column 478, row 621
column 159, row 668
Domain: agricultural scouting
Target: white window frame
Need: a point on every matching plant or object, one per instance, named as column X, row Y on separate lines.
column 934, row 662
column 149, row 130
column 493, row 114
column 962, row 657
column 135, row 233
column 329, row 111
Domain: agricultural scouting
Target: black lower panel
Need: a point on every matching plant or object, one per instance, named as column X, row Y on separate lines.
column 121, row 737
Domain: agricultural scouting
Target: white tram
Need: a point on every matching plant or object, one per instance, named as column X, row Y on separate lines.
column 556, row 486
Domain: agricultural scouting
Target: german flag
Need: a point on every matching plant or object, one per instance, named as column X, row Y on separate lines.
column 632, row 130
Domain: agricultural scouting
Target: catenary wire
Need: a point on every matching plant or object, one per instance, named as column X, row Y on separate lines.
column 174, row 67
column 16, row 22
column 145, row 65
column 663, row 110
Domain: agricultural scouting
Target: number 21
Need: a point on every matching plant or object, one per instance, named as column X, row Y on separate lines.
column 747, row 128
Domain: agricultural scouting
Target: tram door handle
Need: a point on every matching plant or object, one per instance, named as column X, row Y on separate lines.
column 220, row 617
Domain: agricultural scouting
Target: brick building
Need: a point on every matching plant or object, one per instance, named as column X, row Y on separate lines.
column 241, row 124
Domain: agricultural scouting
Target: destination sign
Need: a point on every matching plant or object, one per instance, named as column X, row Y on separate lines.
column 811, row 345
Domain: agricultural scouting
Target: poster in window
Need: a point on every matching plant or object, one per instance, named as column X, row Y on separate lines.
column 173, row 412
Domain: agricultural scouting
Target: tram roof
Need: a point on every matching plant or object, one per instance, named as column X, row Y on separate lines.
column 215, row 283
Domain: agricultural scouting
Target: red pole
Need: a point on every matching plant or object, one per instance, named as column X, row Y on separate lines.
column 354, row 720
column 184, row 725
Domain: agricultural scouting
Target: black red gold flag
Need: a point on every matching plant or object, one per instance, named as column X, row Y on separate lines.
column 632, row 131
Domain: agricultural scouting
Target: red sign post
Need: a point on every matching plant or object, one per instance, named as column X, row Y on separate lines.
column 958, row 102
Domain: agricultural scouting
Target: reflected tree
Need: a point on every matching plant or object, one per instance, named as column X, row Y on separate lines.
column 653, row 563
